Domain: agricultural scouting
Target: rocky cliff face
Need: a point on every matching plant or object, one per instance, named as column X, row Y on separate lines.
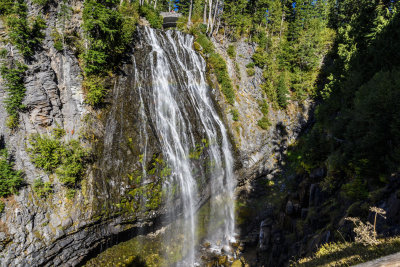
column 55, row 230
column 261, row 159
column 259, row 150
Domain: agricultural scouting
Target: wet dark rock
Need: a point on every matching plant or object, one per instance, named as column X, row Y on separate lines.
column 289, row 208
column 318, row 173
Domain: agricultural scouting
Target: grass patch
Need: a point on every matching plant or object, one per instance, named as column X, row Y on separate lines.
column 349, row 253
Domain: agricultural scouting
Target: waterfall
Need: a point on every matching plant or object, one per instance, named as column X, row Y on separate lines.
column 175, row 99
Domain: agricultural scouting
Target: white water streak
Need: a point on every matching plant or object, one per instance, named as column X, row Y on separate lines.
column 177, row 68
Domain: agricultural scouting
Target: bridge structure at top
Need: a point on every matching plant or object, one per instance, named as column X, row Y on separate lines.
column 170, row 19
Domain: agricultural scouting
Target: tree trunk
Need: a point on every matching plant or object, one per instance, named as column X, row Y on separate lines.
column 213, row 21
column 219, row 19
column 281, row 29
column 205, row 12
column 209, row 14
column 190, row 14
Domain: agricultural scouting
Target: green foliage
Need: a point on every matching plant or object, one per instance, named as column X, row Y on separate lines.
column 66, row 159
column 42, row 189
column 282, row 92
column 205, row 43
column 58, row 132
column 95, row 91
column 14, row 85
column 46, row 152
column 356, row 189
column 235, row 114
column 197, row 152
column 349, row 254
column 6, row 6
column 264, row 107
column 2, row 206
column 58, row 40
column 260, row 57
column 71, row 193
column 264, row 123
column 147, row 195
column 218, row 65
column 357, row 126
column 251, row 71
column 10, row 180
column 41, row 2
column 151, row 15
column 25, row 35
column 251, row 65
column 3, row 53
column 231, row 51
column 73, row 163
column 109, row 29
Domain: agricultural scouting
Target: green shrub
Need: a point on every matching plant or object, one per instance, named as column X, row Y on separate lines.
column 235, row 114
column 251, row 65
column 260, row 58
column 73, row 164
column 207, row 45
column 3, row 53
column 42, row 189
column 2, row 206
column 24, row 35
column 41, row 2
column 250, row 71
column 264, row 123
column 71, row 193
column 6, row 6
column 58, row 132
column 264, row 107
column 58, row 40
column 237, row 70
column 231, row 51
column 220, row 70
column 151, row 15
column 95, row 91
column 282, row 91
column 14, row 85
column 109, row 28
column 46, row 152
column 10, row 180
column 356, row 189
column 66, row 159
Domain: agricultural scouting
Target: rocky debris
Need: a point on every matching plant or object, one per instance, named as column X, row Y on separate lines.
column 227, row 255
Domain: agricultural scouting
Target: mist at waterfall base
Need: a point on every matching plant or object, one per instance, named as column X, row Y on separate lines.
column 175, row 103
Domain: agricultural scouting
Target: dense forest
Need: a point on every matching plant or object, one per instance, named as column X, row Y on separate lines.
column 341, row 55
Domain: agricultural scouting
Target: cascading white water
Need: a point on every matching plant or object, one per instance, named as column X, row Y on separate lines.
column 174, row 89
